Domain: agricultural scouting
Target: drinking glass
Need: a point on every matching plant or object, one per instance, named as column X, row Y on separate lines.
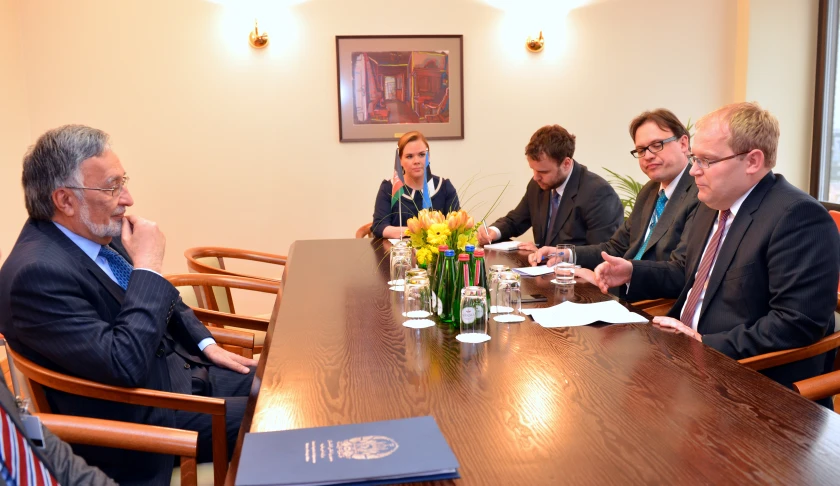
column 473, row 315
column 401, row 262
column 493, row 275
column 564, row 265
column 509, row 298
column 418, row 302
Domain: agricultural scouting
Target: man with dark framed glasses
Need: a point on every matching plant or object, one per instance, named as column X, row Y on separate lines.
column 663, row 206
column 760, row 264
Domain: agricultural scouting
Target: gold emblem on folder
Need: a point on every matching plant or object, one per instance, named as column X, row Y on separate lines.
column 367, row 447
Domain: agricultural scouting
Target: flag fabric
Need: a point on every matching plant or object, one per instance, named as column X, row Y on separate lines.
column 427, row 201
column 397, row 181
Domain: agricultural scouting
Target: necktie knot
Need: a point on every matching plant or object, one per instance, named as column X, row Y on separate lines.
column 119, row 266
column 724, row 215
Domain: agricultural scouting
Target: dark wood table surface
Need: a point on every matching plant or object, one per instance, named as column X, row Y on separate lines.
column 602, row 404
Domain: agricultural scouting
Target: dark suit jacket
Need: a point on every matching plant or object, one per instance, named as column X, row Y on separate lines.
column 773, row 285
column 664, row 239
column 65, row 467
column 590, row 212
column 59, row 309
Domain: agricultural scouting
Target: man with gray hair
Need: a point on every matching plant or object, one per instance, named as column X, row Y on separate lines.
column 81, row 293
column 761, row 260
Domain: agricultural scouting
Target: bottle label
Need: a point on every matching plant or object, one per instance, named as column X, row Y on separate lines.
column 479, row 312
column 439, row 306
column 468, row 315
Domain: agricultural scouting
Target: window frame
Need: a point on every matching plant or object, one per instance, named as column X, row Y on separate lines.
column 826, row 71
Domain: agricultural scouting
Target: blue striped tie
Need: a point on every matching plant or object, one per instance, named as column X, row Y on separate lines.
column 119, row 266
column 657, row 213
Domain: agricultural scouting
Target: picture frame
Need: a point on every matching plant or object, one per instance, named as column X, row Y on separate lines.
column 392, row 84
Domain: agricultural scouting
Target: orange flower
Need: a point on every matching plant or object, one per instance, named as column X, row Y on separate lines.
column 413, row 225
column 470, row 224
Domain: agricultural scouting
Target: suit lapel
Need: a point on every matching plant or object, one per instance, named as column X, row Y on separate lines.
column 733, row 238
column 567, row 203
column 644, row 222
column 671, row 208
column 76, row 253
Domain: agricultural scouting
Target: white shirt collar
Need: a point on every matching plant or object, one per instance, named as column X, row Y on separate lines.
column 90, row 248
column 670, row 188
column 738, row 202
column 562, row 186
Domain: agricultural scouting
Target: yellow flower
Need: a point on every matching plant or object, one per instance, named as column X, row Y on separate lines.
column 463, row 241
column 437, row 234
column 417, row 239
column 423, row 256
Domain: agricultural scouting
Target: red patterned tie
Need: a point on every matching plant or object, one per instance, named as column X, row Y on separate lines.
column 703, row 271
column 19, row 461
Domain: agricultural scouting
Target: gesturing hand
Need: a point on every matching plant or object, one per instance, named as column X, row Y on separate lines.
column 225, row 359
column 614, row 271
column 669, row 323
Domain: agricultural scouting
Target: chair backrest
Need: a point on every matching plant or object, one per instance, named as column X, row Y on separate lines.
column 223, row 296
column 364, row 231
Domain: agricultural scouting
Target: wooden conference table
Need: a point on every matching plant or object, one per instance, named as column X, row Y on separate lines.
column 619, row 404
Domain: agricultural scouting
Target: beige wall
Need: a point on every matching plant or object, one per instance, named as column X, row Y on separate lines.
column 230, row 146
column 14, row 125
column 782, row 50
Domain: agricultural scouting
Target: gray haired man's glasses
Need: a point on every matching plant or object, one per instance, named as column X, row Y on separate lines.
column 115, row 191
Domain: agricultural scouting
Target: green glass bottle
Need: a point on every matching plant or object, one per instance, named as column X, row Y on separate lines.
column 446, row 286
column 436, row 269
column 480, row 274
column 470, row 249
column 463, row 279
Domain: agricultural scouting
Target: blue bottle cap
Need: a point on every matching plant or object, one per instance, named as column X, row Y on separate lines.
column 449, row 253
column 470, row 248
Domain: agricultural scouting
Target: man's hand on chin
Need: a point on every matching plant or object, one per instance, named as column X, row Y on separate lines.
column 225, row 359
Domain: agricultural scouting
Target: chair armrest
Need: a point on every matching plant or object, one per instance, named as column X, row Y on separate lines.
column 121, row 435
column 226, row 280
column 232, row 337
column 133, row 396
column 819, row 387
column 778, row 358
column 225, row 319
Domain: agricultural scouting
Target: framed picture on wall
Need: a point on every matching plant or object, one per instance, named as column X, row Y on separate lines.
column 392, row 84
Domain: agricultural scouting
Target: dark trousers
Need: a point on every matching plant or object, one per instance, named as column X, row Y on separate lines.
column 213, row 381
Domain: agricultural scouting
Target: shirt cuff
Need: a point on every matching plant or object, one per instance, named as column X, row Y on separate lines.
column 146, row 269
column 496, row 232
column 206, row 342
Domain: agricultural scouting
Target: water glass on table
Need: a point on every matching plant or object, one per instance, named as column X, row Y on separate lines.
column 474, row 315
column 417, row 302
column 493, row 276
column 563, row 264
column 509, row 298
column 401, row 262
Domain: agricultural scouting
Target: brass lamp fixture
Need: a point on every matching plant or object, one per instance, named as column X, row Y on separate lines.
column 535, row 45
column 257, row 40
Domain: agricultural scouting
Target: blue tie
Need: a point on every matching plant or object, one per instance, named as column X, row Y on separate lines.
column 552, row 217
column 119, row 266
column 657, row 213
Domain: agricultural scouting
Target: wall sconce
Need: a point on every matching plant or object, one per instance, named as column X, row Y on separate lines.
column 257, row 40
column 535, row 45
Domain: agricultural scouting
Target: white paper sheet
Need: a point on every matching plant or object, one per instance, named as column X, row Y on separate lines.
column 503, row 246
column 534, row 271
column 570, row 314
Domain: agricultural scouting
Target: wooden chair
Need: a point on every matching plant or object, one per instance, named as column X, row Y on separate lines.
column 364, row 231
column 39, row 377
column 211, row 259
column 131, row 436
column 203, row 302
column 819, row 387
column 655, row 307
column 778, row 358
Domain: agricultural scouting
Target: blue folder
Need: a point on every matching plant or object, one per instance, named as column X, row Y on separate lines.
column 392, row 451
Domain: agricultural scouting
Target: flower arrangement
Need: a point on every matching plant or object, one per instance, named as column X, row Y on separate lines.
column 430, row 228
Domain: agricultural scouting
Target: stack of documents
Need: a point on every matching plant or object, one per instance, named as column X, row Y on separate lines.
column 393, row 451
column 569, row 314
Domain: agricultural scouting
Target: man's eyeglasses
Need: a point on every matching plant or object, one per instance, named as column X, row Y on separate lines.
column 115, row 191
column 654, row 147
column 705, row 164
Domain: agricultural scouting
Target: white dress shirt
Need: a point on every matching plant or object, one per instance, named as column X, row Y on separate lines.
column 734, row 210
column 92, row 248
